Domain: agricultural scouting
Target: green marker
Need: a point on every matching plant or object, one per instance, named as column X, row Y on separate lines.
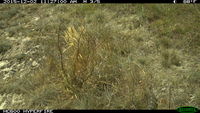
column 187, row 109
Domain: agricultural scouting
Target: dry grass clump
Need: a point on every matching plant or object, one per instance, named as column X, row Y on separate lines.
column 92, row 72
column 96, row 70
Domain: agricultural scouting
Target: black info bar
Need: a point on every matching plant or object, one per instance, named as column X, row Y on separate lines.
column 27, row 111
column 94, row 1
